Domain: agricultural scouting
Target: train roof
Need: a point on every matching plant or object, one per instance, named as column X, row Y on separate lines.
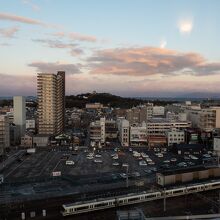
column 184, row 170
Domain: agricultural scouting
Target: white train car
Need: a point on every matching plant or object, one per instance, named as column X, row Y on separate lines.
column 104, row 203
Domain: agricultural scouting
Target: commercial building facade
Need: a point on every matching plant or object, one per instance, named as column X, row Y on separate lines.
column 175, row 136
column 159, row 126
column 206, row 119
column 138, row 135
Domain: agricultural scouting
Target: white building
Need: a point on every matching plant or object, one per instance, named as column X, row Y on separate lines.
column 101, row 130
column 159, row 126
column 138, row 135
column 30, row 124
column 158, row 111
column 123, row 128
column 175, row 136
column 176, row 116
column 4, row 133
column 20, row 114
column 206, row 119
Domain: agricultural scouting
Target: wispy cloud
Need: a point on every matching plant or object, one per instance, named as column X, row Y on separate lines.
column 8, row 32
column 30, row 3
column 185, row 25
column 55, row 43
column 76, row 36
column 58, row 44
column 25, row 20
column 147, row 61
column 54, row 67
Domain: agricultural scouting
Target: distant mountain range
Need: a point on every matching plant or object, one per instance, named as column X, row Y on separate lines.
column 200, row 95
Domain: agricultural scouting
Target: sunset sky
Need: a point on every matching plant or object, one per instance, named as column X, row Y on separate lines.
column 125, row 47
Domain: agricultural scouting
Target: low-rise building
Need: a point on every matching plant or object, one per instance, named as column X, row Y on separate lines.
column 102, row 130
column 172, row 177
column 94, row 106
column 159, row 126
column 186, row 149
column 156, row 141
column 30, row 124
column 206, row 119
column 175, row 136
column 123, row 128
column 41, row 140
column 27, row 140
column 158, row 111
column 138, row 135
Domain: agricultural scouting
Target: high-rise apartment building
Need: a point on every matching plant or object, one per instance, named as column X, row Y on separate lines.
column 4, row 133
column 51, row 103
column 19, row 103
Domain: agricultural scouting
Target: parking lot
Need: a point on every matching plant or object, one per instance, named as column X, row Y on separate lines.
column 84, row 163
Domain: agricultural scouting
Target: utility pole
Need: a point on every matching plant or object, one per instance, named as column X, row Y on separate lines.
column 164, row 200
column 127, row 176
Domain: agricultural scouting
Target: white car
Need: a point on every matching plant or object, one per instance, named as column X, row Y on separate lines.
column 125, row 165
column 98, row 161
column 123, row 175
column 115, row 164
column 148, row 160
column 98, row 155
column 142, row 163
column 70, row 162
column 115, row 157
column 173, row 159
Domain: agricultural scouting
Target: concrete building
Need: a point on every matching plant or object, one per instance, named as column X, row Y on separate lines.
column 138, row 135
column 157, row 141
column 27, row 140
column 206, row 119
column 95, row 106
column 167, row 178
column 41, row 140
column 30, row 124
column 175, row 136
column 176, row 116
column 123, row 129
column 51, row 103
column 101, row 131
column 216, row 146
column 139, row 114
column 159, row 126
column 4, row 134
column 158, row 111
column 19, row 115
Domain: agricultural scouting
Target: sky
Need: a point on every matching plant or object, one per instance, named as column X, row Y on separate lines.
column 148, row 48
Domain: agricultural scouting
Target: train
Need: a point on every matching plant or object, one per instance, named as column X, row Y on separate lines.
column 132, row 198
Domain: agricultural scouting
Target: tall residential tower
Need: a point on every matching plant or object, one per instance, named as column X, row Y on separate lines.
column 51, row 103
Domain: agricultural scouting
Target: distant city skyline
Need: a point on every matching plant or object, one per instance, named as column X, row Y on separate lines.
column 128, row 48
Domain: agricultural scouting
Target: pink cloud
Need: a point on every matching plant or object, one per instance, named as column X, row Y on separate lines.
column 146, row 61
column 8, row 32
column 76, row 36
